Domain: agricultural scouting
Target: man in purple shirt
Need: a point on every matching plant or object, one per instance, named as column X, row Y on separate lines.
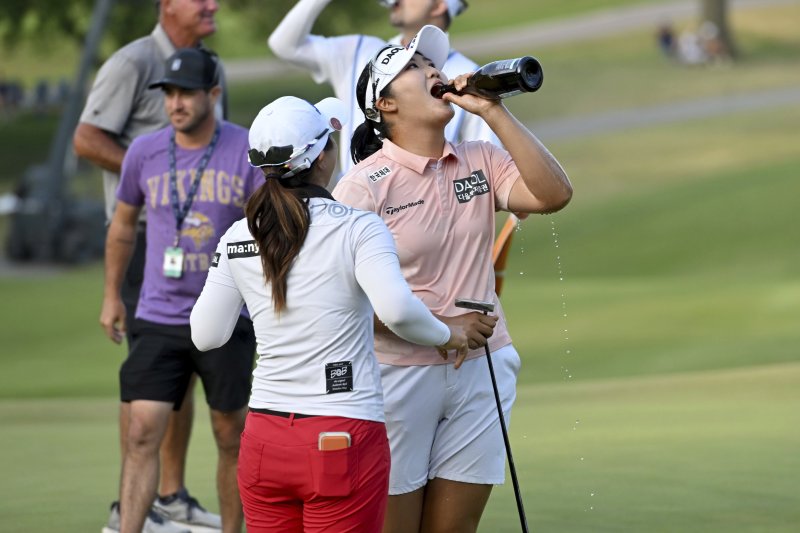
column 193, row 179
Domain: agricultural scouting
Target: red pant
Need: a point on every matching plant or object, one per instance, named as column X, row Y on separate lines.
column 287, row 484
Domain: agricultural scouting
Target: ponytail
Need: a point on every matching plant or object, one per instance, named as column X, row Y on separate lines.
column 366, row 140
column 278, row 219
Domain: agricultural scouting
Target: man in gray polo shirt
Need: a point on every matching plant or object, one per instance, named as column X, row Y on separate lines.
column 120, row 107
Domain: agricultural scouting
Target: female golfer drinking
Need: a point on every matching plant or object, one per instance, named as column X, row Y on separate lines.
column 314, row 454
column 439, row 201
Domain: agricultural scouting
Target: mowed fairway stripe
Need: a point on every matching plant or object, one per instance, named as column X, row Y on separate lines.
column 706, row 451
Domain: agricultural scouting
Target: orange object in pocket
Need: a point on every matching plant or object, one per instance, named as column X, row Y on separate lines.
column 333, row 440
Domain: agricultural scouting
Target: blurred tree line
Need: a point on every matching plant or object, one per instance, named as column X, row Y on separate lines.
column 44, row 21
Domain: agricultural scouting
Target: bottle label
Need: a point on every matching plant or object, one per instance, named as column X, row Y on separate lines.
column 511, row 93
column 505, row 65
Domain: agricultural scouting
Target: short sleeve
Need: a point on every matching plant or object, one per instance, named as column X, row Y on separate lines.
column 129, row 189
column 503, row 174
column 113, row 95
column 352, row 193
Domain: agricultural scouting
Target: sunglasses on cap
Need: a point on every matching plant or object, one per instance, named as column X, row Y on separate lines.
column 282, row 155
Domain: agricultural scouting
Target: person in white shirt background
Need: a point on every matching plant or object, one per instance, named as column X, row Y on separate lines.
column 314, row 454
column 339, row 60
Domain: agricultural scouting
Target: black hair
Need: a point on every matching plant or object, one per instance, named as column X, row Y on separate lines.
column 365, row 141
column 278, row 218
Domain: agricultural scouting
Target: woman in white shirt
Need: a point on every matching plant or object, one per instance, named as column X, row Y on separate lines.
column 314, row 453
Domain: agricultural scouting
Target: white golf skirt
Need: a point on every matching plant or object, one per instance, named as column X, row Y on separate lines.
column 443, row 423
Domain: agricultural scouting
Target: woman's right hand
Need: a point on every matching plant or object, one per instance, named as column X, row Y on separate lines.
column 477, row 326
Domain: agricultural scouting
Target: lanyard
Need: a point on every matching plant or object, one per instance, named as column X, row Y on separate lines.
column 179, row 211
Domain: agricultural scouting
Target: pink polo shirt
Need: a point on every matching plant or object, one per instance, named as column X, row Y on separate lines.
column 441, row 214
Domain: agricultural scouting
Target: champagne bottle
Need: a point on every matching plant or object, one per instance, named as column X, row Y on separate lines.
column 499, row 79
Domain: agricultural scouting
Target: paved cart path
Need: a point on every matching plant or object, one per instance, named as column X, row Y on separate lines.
column 583, row 27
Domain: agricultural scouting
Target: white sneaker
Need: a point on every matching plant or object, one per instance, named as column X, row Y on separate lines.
column 182, row 509
column 154, row 523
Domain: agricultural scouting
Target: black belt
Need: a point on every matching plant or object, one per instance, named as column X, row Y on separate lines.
column 281, row 414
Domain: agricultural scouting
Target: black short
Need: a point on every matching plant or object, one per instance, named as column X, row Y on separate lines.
column 162, row 358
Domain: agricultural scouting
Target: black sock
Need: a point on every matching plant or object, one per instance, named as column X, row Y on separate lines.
column 166, row 500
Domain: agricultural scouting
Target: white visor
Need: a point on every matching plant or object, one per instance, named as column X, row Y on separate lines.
column 431, row 42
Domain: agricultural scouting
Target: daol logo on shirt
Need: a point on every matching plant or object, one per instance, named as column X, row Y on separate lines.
column 467, row 188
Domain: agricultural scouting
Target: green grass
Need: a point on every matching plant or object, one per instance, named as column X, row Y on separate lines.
column 683, row 199
column 704, row 452
column 485, row 15
column 669, row 388
column 627, row 70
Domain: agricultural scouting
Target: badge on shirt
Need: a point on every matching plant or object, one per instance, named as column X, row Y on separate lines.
column 379, row 174
column 338, row 377
column 173, row 262
column 473, row 185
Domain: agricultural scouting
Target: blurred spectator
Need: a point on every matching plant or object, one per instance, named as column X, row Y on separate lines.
column 63, row 91
column 10, row 95
column 41, row 96
column 15, row 94
column 690, row 49
column 3, row 93
column 666, row 40
column 712, row 44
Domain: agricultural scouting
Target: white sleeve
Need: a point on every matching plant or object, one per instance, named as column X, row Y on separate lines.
column 474, row 128
column 217, row 309
column 292, row 40
column 377, row 270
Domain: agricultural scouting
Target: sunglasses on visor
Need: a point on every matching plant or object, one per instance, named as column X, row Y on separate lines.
column 280, row 155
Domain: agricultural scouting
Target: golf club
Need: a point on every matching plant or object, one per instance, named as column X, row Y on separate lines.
column 485, row 308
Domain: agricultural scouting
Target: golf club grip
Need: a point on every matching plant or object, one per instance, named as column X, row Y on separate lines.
column 523, row 520
column 476, row 305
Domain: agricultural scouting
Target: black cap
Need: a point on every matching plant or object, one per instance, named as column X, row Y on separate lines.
column 189, row 68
